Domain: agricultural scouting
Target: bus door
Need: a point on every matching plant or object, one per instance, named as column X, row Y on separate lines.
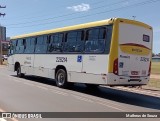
column 41, row 59
column 11, row 55
column 29, row 55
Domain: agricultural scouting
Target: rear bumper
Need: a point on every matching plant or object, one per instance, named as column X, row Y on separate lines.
column 124, row 80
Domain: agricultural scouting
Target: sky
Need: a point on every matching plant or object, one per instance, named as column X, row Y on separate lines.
column 27, row 16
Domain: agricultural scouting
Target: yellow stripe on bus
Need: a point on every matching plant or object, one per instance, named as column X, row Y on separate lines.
column 130, row 49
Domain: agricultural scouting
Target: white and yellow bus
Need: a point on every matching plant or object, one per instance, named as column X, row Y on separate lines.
column 109, row 52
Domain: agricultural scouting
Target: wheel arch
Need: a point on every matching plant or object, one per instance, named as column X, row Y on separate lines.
column 61, row 67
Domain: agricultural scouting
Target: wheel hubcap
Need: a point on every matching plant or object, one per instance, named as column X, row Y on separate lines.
column 61, row 79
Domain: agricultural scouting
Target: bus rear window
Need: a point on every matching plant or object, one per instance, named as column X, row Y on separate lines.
column 146, row 38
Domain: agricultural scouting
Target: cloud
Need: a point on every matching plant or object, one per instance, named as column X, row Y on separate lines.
column 80, row 8
column 125, row 3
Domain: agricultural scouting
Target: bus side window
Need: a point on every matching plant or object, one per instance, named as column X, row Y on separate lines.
column 27, row 45
column 11, row 50
column 17, row 47
column 41, row 45
column 13, row 46
column 33, row 44
column 102, row 33
column 46, row 39
column 70, row 41
column 87, row 35
column 108, row 38
column 80, row 41
column 24, row 43
column 74, row 42
column 20, row 46
column 95, row 40
column 55, row 44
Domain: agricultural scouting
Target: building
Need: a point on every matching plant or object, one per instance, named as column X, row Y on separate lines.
column 3, row 41
column 2, row 33
column 5, row 47
column 156, row 59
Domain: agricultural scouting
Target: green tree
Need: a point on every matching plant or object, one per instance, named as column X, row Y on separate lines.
column 153, row 54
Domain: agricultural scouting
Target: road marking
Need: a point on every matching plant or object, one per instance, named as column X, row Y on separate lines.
column 41, row 87
column 58, row 92
column 84, row 99
column 30, row 84
column 17, row 80
column 111, row 107
column 88, row 100
column 101, row 103
column 96, row 99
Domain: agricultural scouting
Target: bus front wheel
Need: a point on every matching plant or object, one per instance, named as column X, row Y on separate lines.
column 61, row 78
column 19, row 74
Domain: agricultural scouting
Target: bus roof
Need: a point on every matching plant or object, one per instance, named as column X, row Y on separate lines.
column 82, row 26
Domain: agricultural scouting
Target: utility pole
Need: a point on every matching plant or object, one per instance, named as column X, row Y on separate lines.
column 1, row 14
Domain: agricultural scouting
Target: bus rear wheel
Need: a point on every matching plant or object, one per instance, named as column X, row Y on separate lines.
column 19, row 74
column 61, row 78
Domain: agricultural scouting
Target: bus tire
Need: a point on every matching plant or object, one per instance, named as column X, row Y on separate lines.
column 19, row 74
column 61, row 78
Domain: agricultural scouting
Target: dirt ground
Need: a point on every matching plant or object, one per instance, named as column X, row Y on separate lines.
column 155, row 76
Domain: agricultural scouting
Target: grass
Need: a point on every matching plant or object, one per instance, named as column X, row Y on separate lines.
column 155, row 68
column 154, row 83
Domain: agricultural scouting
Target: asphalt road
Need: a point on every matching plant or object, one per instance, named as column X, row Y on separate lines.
column 35, row 94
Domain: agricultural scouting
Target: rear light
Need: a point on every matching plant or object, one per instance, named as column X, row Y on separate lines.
column 149, row 71
column 115, row 67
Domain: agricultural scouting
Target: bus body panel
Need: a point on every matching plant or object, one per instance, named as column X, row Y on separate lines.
column 94, row 69
column 87, row 78
column 123, row 80
column 80, row 68
column 95, row 64
column 132, row 53
column 45, row 64
column 49, row 62
column 26, row 62
column 11, row 63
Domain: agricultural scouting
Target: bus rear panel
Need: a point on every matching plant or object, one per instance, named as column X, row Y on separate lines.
column 133, row 63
